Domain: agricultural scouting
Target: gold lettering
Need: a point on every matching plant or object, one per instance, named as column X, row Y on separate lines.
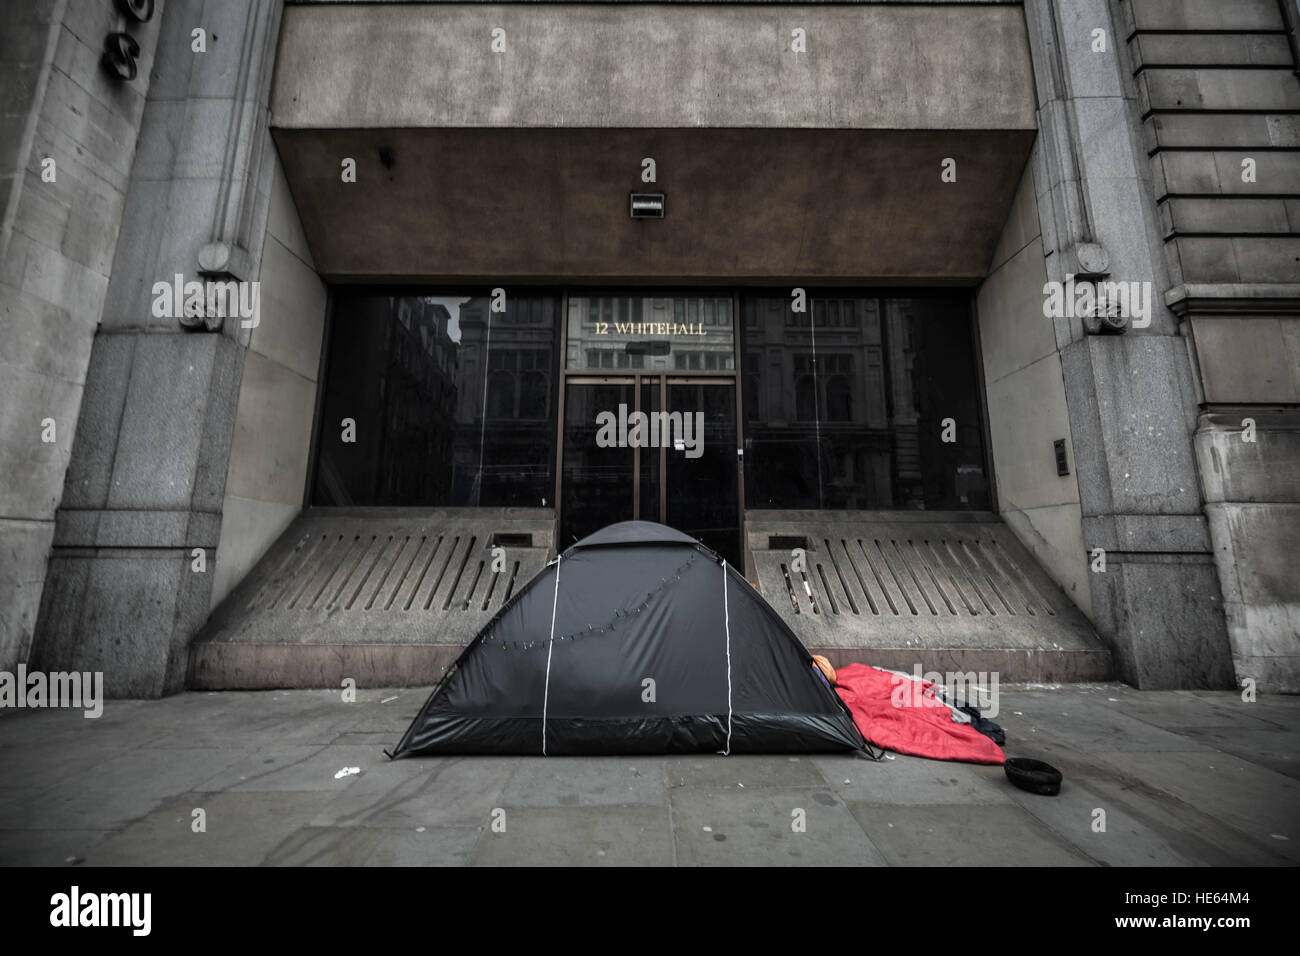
column 672, row 328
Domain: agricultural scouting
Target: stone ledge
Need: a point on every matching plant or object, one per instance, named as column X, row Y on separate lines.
column 1233, row 298
column 76, row 528
column 1259, row 471
column 1147, row 534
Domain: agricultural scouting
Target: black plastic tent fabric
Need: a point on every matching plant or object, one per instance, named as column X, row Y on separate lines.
column 637, row 639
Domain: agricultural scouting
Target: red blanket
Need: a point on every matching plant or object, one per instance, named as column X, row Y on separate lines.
column 903, row 715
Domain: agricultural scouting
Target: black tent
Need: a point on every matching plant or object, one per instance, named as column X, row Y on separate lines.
column 637, row 639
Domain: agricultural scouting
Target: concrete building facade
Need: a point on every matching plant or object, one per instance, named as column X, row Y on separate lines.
column 996, row 305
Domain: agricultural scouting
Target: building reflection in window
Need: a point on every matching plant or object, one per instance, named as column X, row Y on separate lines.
column 690, row 332
column 416, row 374
column 849, row 414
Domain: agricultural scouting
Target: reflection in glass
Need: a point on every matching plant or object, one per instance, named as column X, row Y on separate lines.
column 452, row 405
column 703, row 497
column 848, row 414
column 651, row 333
column 649, row 479
column 598, row 483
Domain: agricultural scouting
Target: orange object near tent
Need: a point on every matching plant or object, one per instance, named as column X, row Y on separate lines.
column 825, row 666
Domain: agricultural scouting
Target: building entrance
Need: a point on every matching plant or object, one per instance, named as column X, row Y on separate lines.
column 654, row 447
column 649, row 415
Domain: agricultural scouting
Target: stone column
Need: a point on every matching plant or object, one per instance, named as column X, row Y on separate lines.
column 68, row 130
column 144, row 489
column 1132, row 398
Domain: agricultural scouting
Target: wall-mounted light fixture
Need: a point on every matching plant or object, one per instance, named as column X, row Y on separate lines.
column 647, row 205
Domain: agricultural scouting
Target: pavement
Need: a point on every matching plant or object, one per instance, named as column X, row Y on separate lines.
column 1167, row 778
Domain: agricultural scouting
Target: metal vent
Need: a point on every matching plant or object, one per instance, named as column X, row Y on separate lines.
column 914, row 576
column 381, row 575
column 390, row 572
column 901, row 580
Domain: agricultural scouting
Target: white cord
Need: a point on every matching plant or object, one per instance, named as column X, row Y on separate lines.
column 817, row 404
column 482, row 428
column 726, row 617
column 546, row 692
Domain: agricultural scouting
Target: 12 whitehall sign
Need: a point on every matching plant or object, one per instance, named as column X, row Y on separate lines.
column 652, row 328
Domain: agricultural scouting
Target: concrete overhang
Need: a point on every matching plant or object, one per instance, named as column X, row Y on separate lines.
column 822, row 165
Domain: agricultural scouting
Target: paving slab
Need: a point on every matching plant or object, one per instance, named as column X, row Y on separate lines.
column 1088, row 723
column 1260, row 803
column 957, row 835
column 1197, row 832
column 1280, row 708
column 117, row 730
column 1125, row 835
column 387, row 711
column 742, row 770
column 282, row 726
column 578, row 836
column 767, row 827
column 27, row 768
column 361, row 738
column 363, row 846
column 112, row 794
column 240, row 828
column 422, row 792
column 901, row 779
column 292, row 716
column 586, row 782
column 15, row 806
column 296, row 768
column 1181, row 711
column 26, row 727
column 48, row 847
column 1271, row 747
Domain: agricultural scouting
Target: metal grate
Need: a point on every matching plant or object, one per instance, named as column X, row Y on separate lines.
column 383, row 574
column 388, row 572
column 902, row 580
column 911, row 576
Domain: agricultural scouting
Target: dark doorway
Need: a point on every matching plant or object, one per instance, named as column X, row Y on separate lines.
column 652, row 447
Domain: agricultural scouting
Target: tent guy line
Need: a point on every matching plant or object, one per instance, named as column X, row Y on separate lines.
column 550, row 647
column 726, row 620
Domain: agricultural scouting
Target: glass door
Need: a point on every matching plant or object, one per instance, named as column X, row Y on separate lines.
column 649, row 422
column 625, row 458
column 597, row 482
column 702, row 487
